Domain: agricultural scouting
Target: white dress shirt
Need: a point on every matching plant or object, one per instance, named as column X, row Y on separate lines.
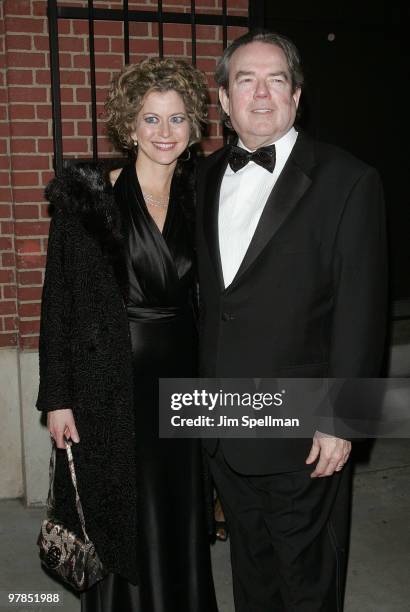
column 241, row 202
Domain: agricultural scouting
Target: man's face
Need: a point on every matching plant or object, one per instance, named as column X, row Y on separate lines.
column 260, row 102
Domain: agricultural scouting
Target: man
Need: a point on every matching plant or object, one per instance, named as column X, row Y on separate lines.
column 292, row 265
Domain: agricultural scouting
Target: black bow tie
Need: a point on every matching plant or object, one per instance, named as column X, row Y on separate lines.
column 264, row 156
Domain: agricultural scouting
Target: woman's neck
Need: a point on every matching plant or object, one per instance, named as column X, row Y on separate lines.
column 154, row 178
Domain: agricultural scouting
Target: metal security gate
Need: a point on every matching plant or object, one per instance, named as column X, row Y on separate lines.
column 92, row 14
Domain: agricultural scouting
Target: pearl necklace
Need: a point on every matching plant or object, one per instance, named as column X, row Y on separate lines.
column 159, row 203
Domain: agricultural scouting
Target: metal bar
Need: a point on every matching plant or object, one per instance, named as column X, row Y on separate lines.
column 55, row 86
column 160, row 30
column 193, row 32
column 92, row 78
column 70, row 12
column 126, row 33
column 224, row 24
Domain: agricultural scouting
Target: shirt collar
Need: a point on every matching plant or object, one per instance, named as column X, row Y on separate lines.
column 282, row 144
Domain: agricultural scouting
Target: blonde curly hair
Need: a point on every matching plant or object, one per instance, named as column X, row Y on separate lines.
column 132, row 84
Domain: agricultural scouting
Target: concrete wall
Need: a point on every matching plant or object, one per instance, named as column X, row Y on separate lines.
column 24, row 441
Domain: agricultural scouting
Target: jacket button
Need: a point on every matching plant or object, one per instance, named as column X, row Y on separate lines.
column 228, row 316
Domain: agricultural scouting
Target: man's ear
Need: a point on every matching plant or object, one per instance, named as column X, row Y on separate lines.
column 224, row 99
column 296, row 96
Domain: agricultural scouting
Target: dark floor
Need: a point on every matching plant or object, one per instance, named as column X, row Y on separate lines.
column 379, row 569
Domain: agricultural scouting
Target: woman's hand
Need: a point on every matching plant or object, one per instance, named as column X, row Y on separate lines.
column 61, row 423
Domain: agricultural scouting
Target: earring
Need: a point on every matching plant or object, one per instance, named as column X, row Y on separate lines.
column 185, row 159
column 135, row 142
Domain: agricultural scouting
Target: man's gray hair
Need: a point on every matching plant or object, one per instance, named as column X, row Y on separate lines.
column 271, row 38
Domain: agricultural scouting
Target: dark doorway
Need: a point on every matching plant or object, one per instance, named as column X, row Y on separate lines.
column 356, row 61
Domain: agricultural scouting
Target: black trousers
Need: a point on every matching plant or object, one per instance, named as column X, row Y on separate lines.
column 289, row 538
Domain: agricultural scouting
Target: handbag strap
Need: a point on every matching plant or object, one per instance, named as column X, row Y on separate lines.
column 50, row 499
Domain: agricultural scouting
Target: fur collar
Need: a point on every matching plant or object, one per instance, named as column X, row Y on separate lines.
column 85, row 190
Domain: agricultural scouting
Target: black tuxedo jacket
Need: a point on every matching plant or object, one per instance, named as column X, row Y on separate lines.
column 309, row 298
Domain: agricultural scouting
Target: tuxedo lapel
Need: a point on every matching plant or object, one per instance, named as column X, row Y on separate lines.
column 211, row 207
column 291, row 185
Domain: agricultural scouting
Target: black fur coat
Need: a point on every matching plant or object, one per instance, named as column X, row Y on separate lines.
column 85, row 363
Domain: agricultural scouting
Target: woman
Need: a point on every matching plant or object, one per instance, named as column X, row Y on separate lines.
column 117, row 314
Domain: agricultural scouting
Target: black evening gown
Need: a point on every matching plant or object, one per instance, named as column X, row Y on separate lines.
column 173, row 548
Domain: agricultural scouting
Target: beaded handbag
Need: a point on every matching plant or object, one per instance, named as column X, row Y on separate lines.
column 71, row 558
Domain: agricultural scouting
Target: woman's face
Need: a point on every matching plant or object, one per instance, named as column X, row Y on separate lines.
column 162, row 128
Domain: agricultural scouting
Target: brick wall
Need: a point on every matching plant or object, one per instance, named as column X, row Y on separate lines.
column 26, row 129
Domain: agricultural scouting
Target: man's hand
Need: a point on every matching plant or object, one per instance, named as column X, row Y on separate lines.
column 332, row 452
column 61, row 423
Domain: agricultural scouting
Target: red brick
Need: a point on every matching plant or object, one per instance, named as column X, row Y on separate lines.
column 46, row 177
column 81, row 61
column 22, row 179
column 20, row 145
column 205, row 32
column 76, row 145
column 68, row 128
column 29, row 326
column 72, row 77
column 22, row 94
column 21, row 111
column 41, row 43
column 8, row 307
column 74, row 111
column 31, row 162
column 28, row 246
column 108, row 28
column 42, row 77
column 8, row 260
column 39, row 228
column 7, row 340
column 7, row 276
column 39, row 8
column 4, row 129
column 17, row 7
column 117, row 45
column 3, row 146
column 30, row 261
column 45, row 146
column 101, row 45
column 44, row 111
column 83, row 94
column 18, row 41
column 28, row 195
column 10, row 323
column 19, row 77
column 26, row 60
column 30, row 277
column 26, row 211
column 80, row 27
column 205, row 49
column 30, row 309
column 29, row 129
column 4, row 179
column 66, row 43
column 6, row 244
column 9, row 291
column 138, row 29
column 65, row 60
column 30, row 293
column 66, row 94
column 102, row 78
column 4, row 162
column 148, row 45
column 5, row 194
column 31, row 26
column 29, row 342
column 5, row 211
column 7, row 227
